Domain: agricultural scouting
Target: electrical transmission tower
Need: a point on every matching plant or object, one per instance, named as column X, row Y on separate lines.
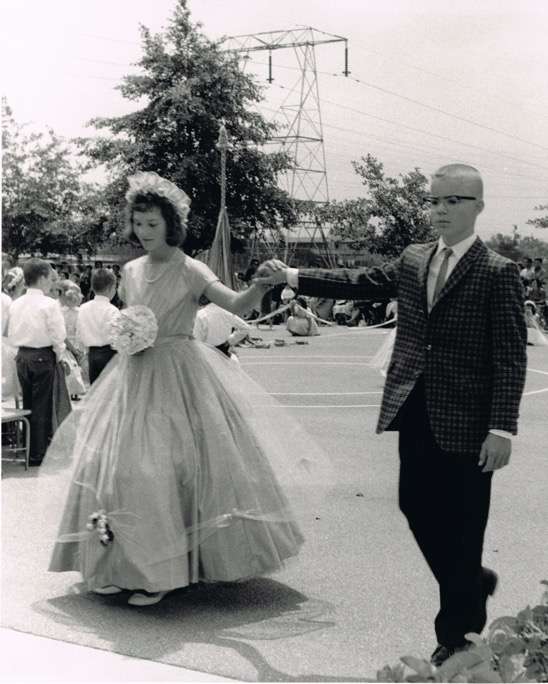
column 301, row 134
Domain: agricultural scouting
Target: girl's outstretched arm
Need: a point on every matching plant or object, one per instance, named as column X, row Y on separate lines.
column 235, row 302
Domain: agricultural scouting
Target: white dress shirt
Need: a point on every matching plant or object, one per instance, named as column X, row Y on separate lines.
column 93, row 325
column 36, row 321
column 213, row 325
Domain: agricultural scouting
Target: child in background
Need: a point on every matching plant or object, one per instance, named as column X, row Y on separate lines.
column 70, row 298
column 93, row 322
column 219, row 328
column 37, row 329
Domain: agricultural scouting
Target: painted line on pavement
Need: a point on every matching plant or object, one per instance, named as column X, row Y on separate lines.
column 534, row 370
column 319, row 394
column 328, row 406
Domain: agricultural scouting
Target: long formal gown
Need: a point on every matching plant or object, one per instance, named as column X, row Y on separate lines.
column 186, row 456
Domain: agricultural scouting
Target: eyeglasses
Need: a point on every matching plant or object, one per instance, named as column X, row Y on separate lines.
column 449, row 201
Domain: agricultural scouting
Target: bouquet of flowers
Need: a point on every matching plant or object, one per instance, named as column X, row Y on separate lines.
column 133, row 330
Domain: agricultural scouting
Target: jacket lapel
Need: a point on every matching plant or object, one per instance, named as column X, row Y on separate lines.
column 462, row 267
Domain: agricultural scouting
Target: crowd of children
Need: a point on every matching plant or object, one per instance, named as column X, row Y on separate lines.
column 53, row 345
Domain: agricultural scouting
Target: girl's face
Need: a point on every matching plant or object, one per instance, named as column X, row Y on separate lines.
column 150, row 228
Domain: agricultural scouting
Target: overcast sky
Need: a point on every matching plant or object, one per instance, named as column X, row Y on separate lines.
column 432, row 81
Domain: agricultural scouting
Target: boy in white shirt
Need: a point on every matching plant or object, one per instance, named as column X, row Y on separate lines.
column 37, row 329
column 92, row 328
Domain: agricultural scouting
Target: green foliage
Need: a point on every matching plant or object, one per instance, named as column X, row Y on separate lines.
column 541, row 221
column 516, row 247
column 46, row 207
column 389, row 219
column 515, row 649
column 188, row 86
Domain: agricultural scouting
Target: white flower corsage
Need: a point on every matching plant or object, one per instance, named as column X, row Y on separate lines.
column 99, row 521
column 133, row 330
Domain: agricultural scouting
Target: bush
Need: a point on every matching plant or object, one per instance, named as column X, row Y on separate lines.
column 515, row 649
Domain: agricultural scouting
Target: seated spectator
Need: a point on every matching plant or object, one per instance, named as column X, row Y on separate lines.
column 301, row 323
column 527, row 270
column 535, row 336
column 342, row 311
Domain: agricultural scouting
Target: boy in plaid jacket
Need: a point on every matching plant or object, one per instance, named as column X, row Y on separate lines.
column 453, row 387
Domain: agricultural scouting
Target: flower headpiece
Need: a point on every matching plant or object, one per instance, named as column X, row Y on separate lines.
column 145, row 182
column 15, row 276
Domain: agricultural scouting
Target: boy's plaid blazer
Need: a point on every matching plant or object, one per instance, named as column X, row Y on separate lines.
column 471, row 347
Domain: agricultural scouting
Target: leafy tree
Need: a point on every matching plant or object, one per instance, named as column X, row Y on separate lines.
column 350, row 221
column 397, row 209
column 517, row 247
column 506, row 246
column 533, row 247
column 46, row 207
column 389, row 219
column 541, row 221
column 189, row 86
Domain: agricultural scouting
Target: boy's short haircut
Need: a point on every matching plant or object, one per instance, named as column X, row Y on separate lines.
column 102, row 279
column 34, row 269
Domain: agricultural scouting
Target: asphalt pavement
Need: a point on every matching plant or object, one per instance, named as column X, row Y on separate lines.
column 358, row 597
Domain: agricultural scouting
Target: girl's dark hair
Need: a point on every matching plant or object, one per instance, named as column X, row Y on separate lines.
column 175, row 228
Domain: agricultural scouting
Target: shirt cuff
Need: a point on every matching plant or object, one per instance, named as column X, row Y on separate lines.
column 502, row 433
column 292, row 277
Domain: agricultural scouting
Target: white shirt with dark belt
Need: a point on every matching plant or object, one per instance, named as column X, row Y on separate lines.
column 36, row 321
column 92, row 327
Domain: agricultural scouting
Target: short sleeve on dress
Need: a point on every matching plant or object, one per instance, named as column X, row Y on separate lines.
column 122, row 284
column 202, row 276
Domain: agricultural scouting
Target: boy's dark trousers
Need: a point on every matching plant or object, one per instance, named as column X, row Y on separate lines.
column 36, row 371
column 98, row 357
column 445, row 497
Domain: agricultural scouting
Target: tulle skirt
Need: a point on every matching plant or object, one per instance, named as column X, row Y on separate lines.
column 536, row 337
column 381, row 360
column 189, row 462
column 10, row 380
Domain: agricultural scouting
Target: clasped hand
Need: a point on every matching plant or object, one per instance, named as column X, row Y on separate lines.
column 271, row 272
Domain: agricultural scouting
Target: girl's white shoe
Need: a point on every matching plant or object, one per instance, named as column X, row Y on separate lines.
column 139, row 599
column 111, row 589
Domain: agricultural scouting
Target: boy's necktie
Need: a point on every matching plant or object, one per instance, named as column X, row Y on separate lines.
column 442, row 275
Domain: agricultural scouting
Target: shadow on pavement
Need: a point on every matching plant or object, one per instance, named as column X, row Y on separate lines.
column 220, row 616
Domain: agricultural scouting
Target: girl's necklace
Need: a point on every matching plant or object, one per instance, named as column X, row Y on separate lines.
column 161, row 273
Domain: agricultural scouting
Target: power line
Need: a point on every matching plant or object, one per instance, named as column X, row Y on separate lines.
column 75, row 33
column 420, row 104
column 433, row 135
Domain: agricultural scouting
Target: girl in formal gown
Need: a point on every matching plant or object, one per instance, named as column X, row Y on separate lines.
column 180, row 465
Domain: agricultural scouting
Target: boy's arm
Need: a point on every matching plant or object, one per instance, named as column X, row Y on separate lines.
column 57, row 330
column 340, row 283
